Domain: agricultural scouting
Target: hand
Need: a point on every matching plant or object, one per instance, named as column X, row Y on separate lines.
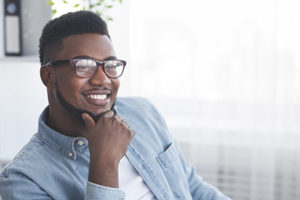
column 108, row 139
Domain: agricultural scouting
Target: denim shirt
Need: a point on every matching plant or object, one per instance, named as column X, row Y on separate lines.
column 55, row 166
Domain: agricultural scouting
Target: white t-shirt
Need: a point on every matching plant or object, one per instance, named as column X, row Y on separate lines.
column 132, row 183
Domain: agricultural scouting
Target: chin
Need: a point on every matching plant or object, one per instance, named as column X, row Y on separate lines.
column 99, row 112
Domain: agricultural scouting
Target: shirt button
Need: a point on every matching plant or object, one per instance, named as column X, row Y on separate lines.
column 80, row 143
column 70, row 154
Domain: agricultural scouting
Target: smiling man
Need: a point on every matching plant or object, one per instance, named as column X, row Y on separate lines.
column 91, row 144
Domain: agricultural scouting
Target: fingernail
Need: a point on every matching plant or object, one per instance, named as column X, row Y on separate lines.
column 84, row 116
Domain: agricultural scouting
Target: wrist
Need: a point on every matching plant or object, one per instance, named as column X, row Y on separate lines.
column 104, row 173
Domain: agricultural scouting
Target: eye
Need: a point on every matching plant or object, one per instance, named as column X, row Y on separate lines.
column 113, row 68
column 113, row 64
column 85, row 65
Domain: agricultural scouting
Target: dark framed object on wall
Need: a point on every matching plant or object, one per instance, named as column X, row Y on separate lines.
column 12, row 27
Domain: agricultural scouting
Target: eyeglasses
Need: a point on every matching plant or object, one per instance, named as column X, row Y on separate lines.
column 87, row 67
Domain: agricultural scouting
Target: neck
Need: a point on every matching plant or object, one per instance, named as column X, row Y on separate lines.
column 63, row 123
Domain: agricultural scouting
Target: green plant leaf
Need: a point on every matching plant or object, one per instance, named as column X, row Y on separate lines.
column 76, row 5
column 54, row 11
column 109, row 19
column 65, row 2
column 109, row 6
column 83, row 8
column 99, row 3
column 98, row 12
column 121, row 1
column 50, row 3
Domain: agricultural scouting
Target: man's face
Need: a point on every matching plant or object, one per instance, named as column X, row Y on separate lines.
column 75, row 94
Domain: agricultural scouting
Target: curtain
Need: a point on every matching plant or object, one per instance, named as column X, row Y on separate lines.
column 226, row 76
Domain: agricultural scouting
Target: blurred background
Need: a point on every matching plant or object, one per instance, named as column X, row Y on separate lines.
column 225, row 75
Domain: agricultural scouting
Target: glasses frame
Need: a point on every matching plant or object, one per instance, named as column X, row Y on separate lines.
column 98, row 62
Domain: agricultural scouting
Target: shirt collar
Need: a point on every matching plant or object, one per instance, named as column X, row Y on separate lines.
column 57, row 141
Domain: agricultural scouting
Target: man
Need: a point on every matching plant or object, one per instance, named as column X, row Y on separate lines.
column 91, row 144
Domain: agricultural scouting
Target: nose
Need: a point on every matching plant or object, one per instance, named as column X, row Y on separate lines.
column 99, row 78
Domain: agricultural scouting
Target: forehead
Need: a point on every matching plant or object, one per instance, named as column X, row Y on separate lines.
column 90, row 44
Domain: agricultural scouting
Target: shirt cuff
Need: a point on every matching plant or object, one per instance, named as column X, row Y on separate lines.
column 100, row 192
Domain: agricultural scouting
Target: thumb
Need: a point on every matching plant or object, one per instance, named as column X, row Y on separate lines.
column 88, row 120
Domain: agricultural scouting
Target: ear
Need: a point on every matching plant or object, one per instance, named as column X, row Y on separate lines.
column 48, row 76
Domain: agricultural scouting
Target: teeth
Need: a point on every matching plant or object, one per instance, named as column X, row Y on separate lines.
column 97, row 96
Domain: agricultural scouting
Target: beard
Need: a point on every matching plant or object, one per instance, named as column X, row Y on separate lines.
column 76, row 113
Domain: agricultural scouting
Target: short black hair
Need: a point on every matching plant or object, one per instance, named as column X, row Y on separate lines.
column 66, row 25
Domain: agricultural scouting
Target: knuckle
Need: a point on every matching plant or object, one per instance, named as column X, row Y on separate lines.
column 132, row 132
column 108, row 114
column 119, row 117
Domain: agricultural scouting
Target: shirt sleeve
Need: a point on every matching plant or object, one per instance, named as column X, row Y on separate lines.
column 99, row 192
column 17, row 186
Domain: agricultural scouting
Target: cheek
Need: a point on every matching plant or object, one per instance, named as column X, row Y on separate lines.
column 116, row 85
column 69, row 87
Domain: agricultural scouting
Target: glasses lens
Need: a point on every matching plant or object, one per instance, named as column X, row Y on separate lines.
column 85, row 67
column 114, row 68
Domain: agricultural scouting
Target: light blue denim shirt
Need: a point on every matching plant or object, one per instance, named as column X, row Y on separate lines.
column 55, row 166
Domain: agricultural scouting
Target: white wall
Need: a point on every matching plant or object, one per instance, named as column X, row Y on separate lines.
column 22, row 93
column 23, row 97
column 226, row 76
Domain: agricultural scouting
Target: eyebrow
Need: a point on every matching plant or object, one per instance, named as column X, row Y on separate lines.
column 107, row 58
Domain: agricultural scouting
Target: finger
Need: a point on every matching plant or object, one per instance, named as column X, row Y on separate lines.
column 119, row 117
column 125, row 123
column 132, row 132
column 88, row 120
column 108, row 114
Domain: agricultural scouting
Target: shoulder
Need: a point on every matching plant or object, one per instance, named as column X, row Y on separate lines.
column 17, row 179
column 139, row 109
column 145, row 119
column 133, row 102
column 25, row 161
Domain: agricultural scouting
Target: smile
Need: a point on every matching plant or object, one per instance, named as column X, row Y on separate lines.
column 97, row 96
column 98, row 99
